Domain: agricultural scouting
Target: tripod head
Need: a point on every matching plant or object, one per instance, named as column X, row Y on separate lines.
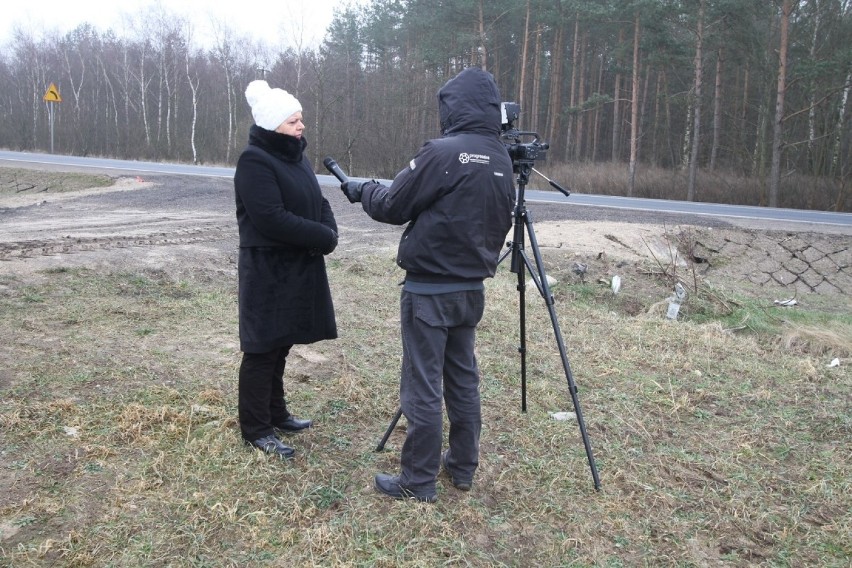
column 523, row 154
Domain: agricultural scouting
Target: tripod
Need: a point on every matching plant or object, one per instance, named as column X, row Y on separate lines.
column 520, row 264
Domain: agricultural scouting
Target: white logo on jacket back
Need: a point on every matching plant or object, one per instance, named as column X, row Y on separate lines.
column 466, row 158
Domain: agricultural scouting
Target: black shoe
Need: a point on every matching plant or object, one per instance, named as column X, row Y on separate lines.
column 293, row 424
column 458, row 482
column 273, row 446
column 389, row 485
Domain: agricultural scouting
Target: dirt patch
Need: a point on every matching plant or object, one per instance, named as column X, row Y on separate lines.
column 24, row 187
column 183, row 223
column 648, row 259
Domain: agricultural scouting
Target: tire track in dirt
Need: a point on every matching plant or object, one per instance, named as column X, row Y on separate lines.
column 160, row 234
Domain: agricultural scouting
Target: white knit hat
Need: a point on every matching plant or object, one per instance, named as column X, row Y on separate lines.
column 270, row 107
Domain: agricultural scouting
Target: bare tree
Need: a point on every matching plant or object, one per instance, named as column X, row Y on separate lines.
column 34, row 82
column 223, row 53
column 841, row 117
column 193, row 81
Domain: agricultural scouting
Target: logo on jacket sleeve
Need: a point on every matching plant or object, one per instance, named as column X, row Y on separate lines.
column 466, row 158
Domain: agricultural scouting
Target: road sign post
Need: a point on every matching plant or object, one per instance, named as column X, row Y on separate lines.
column 51, row 97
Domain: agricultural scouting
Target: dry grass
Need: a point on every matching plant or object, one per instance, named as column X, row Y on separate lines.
column 795, row 190
column 120, row 445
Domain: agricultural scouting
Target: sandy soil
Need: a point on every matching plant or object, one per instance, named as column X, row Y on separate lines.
column 184, row 224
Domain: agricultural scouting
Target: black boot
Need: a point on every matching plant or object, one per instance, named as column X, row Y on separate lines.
column 293, row 424
column 273, row 446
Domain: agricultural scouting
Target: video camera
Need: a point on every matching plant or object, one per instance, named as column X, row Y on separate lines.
column 521, row 153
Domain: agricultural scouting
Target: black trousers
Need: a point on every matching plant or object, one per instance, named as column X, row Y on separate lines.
column 438, row 361
column 261, row 392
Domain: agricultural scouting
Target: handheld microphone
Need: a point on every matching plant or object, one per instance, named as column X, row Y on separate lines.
column 332, row 166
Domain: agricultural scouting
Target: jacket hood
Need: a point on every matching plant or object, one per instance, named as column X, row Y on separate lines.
column 470, row 102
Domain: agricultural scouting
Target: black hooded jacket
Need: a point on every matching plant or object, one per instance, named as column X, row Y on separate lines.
column 457, row 193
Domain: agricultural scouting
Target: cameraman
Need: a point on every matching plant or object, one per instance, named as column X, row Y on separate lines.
column 457, row 196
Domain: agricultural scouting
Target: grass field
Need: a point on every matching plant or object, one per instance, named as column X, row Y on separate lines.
column 120, row 445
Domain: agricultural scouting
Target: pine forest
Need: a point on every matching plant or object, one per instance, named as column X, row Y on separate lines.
column 741, row 101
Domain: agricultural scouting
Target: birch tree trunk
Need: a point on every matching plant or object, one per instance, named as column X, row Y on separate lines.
column 836, row 165
column 223, row 50
column 838, row 129
column 193, row 87
column 111, row 98
column 143, row 93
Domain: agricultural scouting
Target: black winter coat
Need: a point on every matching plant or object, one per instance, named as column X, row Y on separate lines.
column 457, row 194
column 285, row 226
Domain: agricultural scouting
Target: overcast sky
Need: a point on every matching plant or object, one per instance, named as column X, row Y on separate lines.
column 274, row 21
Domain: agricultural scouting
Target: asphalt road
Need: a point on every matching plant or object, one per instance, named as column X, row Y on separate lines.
column 541, row 205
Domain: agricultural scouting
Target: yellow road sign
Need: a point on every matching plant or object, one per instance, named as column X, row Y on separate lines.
column 52, row 94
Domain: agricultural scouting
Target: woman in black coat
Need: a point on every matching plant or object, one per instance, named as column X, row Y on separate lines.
column 285, row 226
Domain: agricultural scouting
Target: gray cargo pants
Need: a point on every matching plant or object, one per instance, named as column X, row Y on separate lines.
column 438, row 339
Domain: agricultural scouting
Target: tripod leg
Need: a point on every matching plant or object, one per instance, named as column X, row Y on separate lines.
column 388, row 432
column 522, row 347
column 516, row 250
column 544, row 288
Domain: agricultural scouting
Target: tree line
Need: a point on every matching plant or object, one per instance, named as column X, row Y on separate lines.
column 757, row 88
